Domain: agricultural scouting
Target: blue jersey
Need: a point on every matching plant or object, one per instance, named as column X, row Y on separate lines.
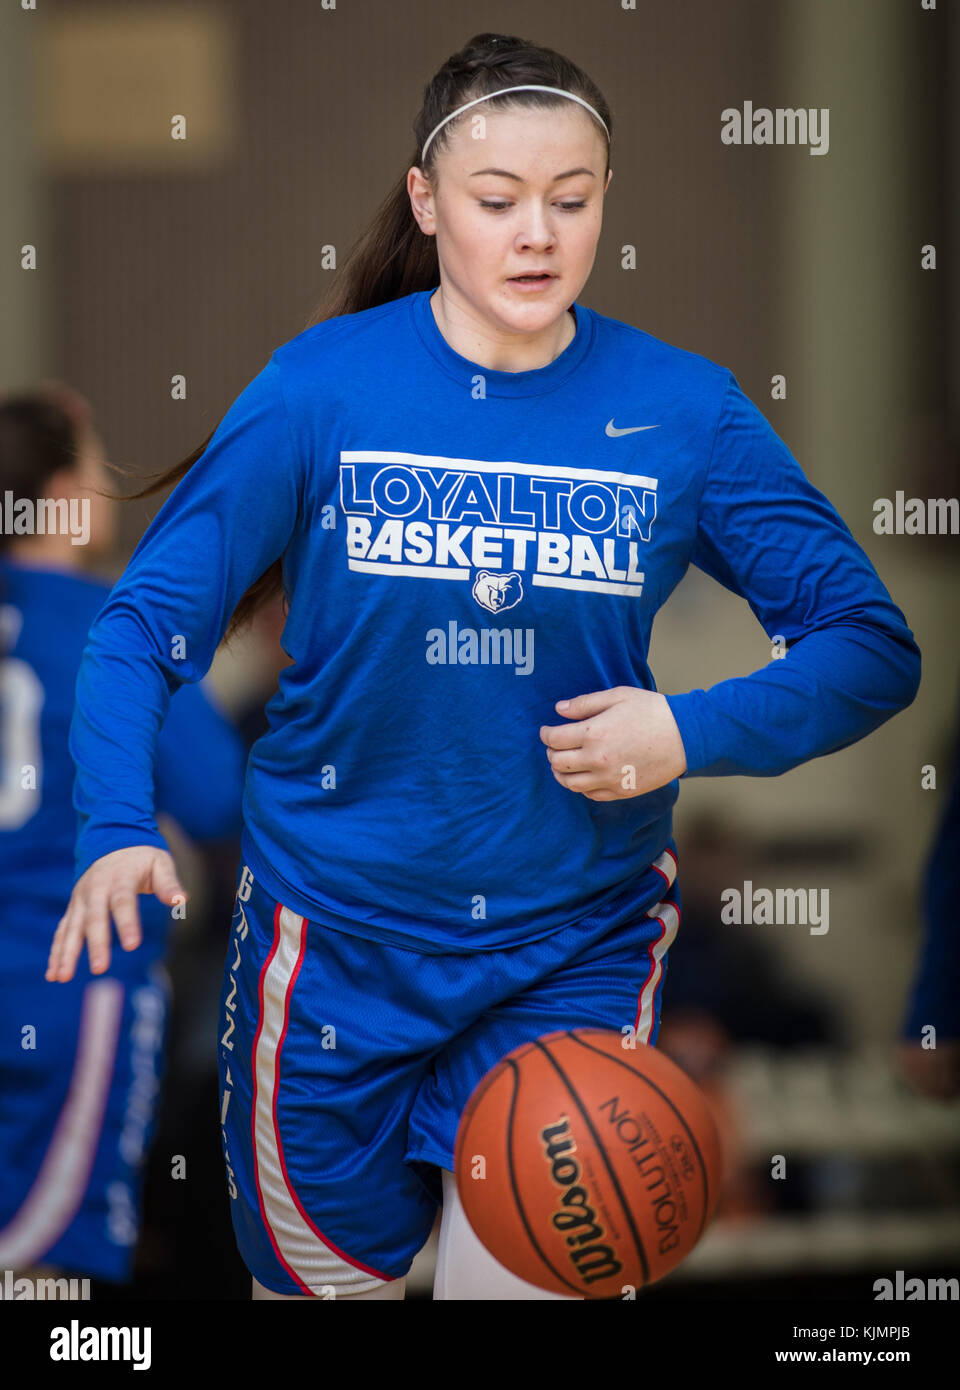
column 44, row 619
column 461, row 548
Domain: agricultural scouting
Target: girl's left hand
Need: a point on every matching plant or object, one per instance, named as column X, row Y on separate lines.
column 625, row 743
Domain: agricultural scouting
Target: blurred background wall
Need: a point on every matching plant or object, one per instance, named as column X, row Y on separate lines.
column 158, row 257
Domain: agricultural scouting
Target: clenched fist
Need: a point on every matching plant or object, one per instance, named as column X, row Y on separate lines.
column 625, row 742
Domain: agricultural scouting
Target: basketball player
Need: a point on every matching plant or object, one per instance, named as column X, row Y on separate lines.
column 476, row 492
column 80, row 1066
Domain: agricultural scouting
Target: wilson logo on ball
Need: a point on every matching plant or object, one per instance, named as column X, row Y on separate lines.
column 592, row 1261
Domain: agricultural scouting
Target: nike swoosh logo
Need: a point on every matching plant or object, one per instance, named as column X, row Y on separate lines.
column 612, row 431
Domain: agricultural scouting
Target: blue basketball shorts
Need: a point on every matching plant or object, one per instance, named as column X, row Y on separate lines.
column 345, row 1064
column 80, row 1072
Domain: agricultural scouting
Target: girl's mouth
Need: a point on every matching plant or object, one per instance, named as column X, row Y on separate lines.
column 542, row 278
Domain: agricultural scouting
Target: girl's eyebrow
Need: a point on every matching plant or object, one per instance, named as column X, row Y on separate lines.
column 505, row 173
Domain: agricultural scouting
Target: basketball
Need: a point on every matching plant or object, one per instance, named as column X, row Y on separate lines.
column 586, row 1165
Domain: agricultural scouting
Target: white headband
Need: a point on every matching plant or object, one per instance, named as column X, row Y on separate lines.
column 525, row 87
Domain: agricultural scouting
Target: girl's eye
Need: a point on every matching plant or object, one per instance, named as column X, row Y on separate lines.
column 567, row 207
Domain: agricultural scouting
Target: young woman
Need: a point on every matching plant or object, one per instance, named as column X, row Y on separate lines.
column 477, row 493
column 80, row 1066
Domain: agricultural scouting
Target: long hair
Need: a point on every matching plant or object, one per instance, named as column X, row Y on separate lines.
column 394, row 258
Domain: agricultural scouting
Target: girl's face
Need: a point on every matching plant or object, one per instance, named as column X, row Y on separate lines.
column 527, row 195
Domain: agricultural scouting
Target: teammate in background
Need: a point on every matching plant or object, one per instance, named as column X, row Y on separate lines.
column 935, row 993
column 476, row 493
column 80, row 1066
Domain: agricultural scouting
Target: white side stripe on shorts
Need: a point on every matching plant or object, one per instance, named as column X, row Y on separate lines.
column 666, row 866
column 669, row 918
column 58, row 1189
column 307, row 1255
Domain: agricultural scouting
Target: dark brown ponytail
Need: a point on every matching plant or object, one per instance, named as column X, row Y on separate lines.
column 394, row 258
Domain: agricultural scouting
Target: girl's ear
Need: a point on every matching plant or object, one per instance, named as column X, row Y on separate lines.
column 420, row 195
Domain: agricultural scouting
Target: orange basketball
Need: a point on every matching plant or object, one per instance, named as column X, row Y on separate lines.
column 586, row 1165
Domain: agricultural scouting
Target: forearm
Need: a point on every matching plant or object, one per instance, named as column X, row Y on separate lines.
column 122, row 697
column 832, row 688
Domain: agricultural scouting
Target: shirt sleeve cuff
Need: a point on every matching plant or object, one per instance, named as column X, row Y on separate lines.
column 686, row 710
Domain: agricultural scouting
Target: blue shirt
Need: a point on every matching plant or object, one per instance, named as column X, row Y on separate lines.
column 461, row 548
column 44, row 619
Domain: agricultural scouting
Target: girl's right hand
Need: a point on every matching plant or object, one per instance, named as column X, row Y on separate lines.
column 110, row 886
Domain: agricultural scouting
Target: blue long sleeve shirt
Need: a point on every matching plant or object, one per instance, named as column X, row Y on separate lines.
column 461, row 548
